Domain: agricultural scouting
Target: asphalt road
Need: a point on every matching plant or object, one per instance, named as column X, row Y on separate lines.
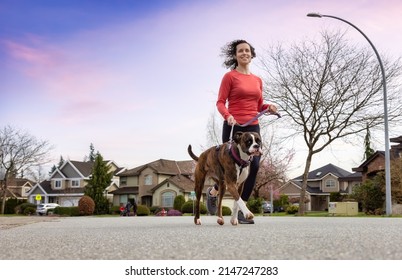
column 177, row 238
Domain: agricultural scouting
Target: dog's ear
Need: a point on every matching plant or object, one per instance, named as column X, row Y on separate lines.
column 237, row 137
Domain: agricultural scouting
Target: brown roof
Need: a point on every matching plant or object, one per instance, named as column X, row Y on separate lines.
column 163, row 166
column 396, row 139
column 182, row 182
column 125, row 190
column 84, row 167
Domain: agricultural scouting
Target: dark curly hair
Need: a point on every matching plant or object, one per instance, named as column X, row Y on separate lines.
column 229, row 53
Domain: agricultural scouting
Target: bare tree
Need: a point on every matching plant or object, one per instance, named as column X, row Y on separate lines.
column 273, row 166
column 330, row 90
column 214, row 131
column 19, row 151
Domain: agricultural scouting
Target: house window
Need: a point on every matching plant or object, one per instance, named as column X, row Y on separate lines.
column 123, row 181
column 330, row 184
column 57, row 184
column 148, row 180
column 75, row 183
column 167, row 199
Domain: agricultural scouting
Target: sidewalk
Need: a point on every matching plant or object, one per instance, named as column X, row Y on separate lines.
column 7, row 222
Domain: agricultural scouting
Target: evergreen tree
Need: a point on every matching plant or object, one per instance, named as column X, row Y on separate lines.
column 92, row 154
column 53, row 169
column 61, row 161
column 98, row 182
column 368, row 151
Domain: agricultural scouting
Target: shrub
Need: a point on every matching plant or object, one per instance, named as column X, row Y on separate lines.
column 178, row 202
column 102, row 206
column 20, row 209
column 292, row 209
column 29, row 211
column 369, row 195
column 86, row 206
column 115, row 210
column 10, row 205
column 143, row 210
column 226, row 211
column 67, row 211
column 335, row 197
column 188, row 207
column 155, row 209
column 174, row 212
column 255, row 205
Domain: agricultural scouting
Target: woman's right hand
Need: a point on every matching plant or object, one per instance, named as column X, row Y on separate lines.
column 231, row 120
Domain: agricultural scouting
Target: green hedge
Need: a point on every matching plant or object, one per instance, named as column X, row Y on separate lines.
column 143, row 210
column 188, row 207
column 255, row 205
column 67, row 211
column 21, row 209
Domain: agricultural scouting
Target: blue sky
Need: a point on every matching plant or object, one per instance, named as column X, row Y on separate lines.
column 139, row 79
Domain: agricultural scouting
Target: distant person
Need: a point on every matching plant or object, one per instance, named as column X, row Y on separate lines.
column 128, row 207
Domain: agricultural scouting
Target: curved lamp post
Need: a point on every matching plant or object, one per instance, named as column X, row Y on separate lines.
column 388, row 206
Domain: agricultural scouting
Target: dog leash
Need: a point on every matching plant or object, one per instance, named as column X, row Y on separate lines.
column 250, row 121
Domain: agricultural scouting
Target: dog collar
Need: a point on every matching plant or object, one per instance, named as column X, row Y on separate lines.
column 240, row 162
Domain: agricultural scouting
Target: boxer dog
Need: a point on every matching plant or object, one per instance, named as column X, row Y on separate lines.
column 228, row 165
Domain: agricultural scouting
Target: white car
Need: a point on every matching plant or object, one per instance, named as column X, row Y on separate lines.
column 45, row 208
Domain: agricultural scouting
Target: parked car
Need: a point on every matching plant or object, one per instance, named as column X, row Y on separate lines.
column 279, row 209
column 45, row 208
column 266, row 207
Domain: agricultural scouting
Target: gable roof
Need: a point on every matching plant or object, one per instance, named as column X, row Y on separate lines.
column 163, row 166
column 321, row 172
column 83, row 167
column 182, row 182
column 396, row 139
column 361, row 167
column 20, row 182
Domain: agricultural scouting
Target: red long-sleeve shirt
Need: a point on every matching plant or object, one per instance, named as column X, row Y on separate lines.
column 243, row 95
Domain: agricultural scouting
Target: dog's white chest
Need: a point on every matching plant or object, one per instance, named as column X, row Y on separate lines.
column 242, row 174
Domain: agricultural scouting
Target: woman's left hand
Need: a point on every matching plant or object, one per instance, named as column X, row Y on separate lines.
column 272, row 109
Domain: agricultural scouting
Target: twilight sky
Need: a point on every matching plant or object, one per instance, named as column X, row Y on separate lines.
column 139, row 79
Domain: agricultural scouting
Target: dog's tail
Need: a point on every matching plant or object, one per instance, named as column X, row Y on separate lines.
column 192, row 155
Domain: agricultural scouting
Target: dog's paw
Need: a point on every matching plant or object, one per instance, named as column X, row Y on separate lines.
column 220, row 221
column 197, row 222
column 249, row 216
column 234, row 222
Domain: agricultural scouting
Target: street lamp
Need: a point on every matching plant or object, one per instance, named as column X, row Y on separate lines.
column 388, row 205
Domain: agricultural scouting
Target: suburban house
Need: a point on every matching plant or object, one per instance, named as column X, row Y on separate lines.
column 18, row 188
column 156, row 183
column 66, row 184
column 376, row 162
column 321, row 183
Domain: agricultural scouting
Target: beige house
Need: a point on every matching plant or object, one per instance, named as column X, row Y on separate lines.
column 66, row 184
column 18, row 188
column 156, row 183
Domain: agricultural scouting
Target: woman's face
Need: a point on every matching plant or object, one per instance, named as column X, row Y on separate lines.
column 243, row 54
